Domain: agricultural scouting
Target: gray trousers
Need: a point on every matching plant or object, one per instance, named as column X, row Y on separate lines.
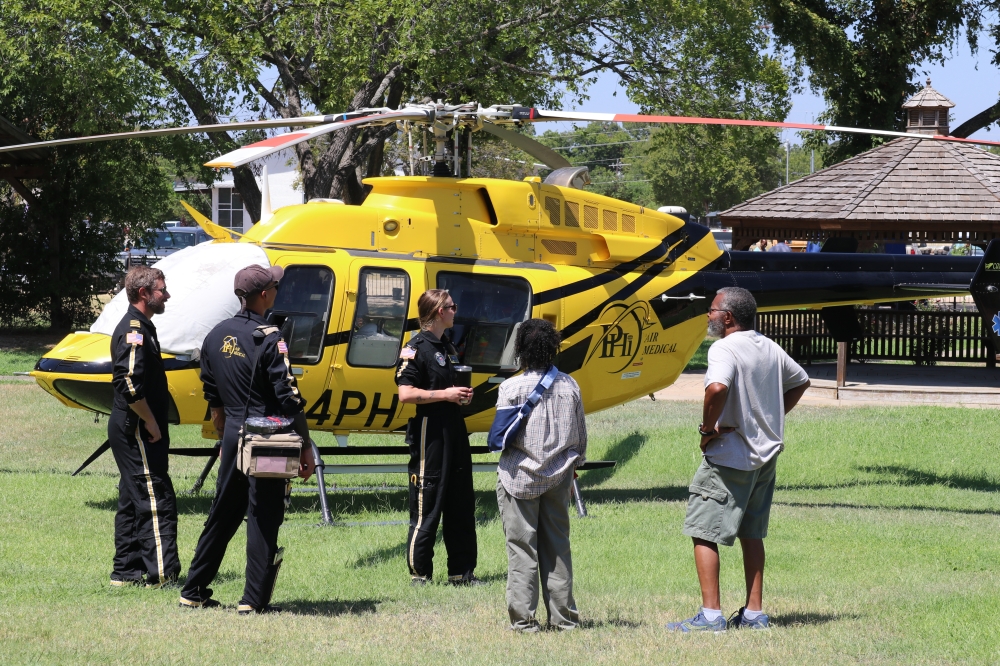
column 537, row 532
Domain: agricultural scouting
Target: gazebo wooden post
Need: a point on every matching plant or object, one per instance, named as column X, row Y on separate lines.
column 841, row 367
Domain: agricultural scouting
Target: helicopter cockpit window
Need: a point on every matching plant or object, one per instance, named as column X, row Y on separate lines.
column 302, row 309
column 377, row 330
column 490, row 310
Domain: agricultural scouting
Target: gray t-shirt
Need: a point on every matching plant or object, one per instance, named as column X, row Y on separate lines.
column 758, row 373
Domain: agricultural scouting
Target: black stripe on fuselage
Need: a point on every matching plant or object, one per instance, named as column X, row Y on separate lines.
column 684, row 239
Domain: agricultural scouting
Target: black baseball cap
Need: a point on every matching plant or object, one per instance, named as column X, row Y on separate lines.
column 256, row 278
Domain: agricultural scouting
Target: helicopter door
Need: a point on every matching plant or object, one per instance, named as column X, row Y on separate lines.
column 375, row 315
column 302, row 311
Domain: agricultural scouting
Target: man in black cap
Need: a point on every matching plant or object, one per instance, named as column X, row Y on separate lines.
column 228, row 357
column 146, row 522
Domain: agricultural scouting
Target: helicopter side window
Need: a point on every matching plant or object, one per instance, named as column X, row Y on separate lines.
column 490, row 310
column 377, row 331
column 302, row 310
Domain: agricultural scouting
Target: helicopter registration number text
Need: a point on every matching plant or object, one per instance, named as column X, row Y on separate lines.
column 354, row 403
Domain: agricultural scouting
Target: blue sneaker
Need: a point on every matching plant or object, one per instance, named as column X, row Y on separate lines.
column 698, row 623
column 737, row 621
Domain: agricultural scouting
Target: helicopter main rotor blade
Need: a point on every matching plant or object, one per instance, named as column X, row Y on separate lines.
column 168, row 131
column 256, row 151
column 540, row 115
column 542, row 153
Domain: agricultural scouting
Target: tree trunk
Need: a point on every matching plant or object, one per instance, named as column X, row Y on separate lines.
column 56, row 319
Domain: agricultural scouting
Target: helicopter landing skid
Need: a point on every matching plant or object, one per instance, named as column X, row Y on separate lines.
column 369, row 468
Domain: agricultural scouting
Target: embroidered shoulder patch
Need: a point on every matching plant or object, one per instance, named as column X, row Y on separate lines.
column 282, row 347
column 133, row 338
column 407, row 353
column 134, row 323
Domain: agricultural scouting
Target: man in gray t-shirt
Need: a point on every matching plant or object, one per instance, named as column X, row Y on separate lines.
column 750, row 385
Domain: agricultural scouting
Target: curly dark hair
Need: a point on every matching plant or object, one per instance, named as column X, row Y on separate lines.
column 536, row 345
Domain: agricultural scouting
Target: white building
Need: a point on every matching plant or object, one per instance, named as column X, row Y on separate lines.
column 227, row 204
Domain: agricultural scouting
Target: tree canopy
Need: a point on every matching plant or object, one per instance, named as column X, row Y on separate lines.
column 862, row 56
column 60, row 236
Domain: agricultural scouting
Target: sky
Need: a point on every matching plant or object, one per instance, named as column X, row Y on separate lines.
column 972, row 82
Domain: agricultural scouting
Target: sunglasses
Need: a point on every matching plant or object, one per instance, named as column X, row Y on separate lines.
column 452, row 307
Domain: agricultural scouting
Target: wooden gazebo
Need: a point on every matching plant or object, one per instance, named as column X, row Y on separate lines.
column 905, row 191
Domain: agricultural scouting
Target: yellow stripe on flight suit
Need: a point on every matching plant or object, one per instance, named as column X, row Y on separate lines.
column 152, row 503
column 131, row 369
column 420, row 489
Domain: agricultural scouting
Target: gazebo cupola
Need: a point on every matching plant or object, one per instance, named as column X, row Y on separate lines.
column 927, row 112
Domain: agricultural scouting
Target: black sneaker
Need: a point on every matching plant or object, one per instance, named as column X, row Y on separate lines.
column 419, row 581
column 194, row 603
column 247, row 609
column 466, row 580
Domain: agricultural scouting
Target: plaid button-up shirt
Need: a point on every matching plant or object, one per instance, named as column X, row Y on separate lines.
column 553, row 441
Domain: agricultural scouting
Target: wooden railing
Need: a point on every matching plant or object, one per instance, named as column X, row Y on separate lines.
column 892, row 335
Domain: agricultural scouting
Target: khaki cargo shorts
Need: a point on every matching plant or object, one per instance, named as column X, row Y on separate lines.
column 727, row 503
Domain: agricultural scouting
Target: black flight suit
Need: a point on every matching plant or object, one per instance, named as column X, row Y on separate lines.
column 440, row 466
column 227, row 361
column 146, row 522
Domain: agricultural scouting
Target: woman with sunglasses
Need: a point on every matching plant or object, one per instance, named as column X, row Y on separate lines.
column 440, row 466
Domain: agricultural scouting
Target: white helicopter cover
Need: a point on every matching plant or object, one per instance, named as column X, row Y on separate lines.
column 200, row 282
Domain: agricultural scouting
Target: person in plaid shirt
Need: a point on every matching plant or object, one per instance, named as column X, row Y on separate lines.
column 533, row 486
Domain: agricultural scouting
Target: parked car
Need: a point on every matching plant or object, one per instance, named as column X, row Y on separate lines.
column 163, row 243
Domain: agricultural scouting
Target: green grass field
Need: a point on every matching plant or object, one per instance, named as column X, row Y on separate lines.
column 882, row 549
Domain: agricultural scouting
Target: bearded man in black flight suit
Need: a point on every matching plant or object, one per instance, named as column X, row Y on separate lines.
column 228, row 357
column 146, row 521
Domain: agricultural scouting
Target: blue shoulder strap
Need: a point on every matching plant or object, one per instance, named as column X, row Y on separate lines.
column 542, row 387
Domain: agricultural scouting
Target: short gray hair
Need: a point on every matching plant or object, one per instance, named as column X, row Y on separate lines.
column 741, row 304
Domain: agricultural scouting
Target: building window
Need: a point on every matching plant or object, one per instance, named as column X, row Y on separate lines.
column 230, row 208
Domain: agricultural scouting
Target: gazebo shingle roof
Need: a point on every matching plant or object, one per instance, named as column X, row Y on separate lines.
column 905, row 180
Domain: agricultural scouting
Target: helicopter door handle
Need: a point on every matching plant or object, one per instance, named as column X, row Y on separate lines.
column 689, row 297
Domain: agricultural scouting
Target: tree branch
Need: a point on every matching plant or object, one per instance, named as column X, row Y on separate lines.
column 977, row 122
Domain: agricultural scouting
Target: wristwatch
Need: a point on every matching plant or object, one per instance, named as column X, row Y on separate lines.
column 702, row 432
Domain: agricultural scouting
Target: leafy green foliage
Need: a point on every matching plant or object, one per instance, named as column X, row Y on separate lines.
column 862, row 55
column 614, row 154
column 708, row 168
column 60, row 235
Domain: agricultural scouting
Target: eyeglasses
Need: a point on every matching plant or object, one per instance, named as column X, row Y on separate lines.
column 711, row 310
column 452, row 307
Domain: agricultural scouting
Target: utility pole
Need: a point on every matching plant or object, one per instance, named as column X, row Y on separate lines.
column 787, row 146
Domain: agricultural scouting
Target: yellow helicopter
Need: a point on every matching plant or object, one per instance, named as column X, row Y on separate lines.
column 627, row 286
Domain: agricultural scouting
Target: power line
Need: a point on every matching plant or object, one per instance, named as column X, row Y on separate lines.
column 591, row 145
column 610, row 182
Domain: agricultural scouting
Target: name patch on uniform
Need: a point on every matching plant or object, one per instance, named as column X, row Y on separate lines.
column 133, row 338
column 439, row 357
column 282, row 347
column 407, row 353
